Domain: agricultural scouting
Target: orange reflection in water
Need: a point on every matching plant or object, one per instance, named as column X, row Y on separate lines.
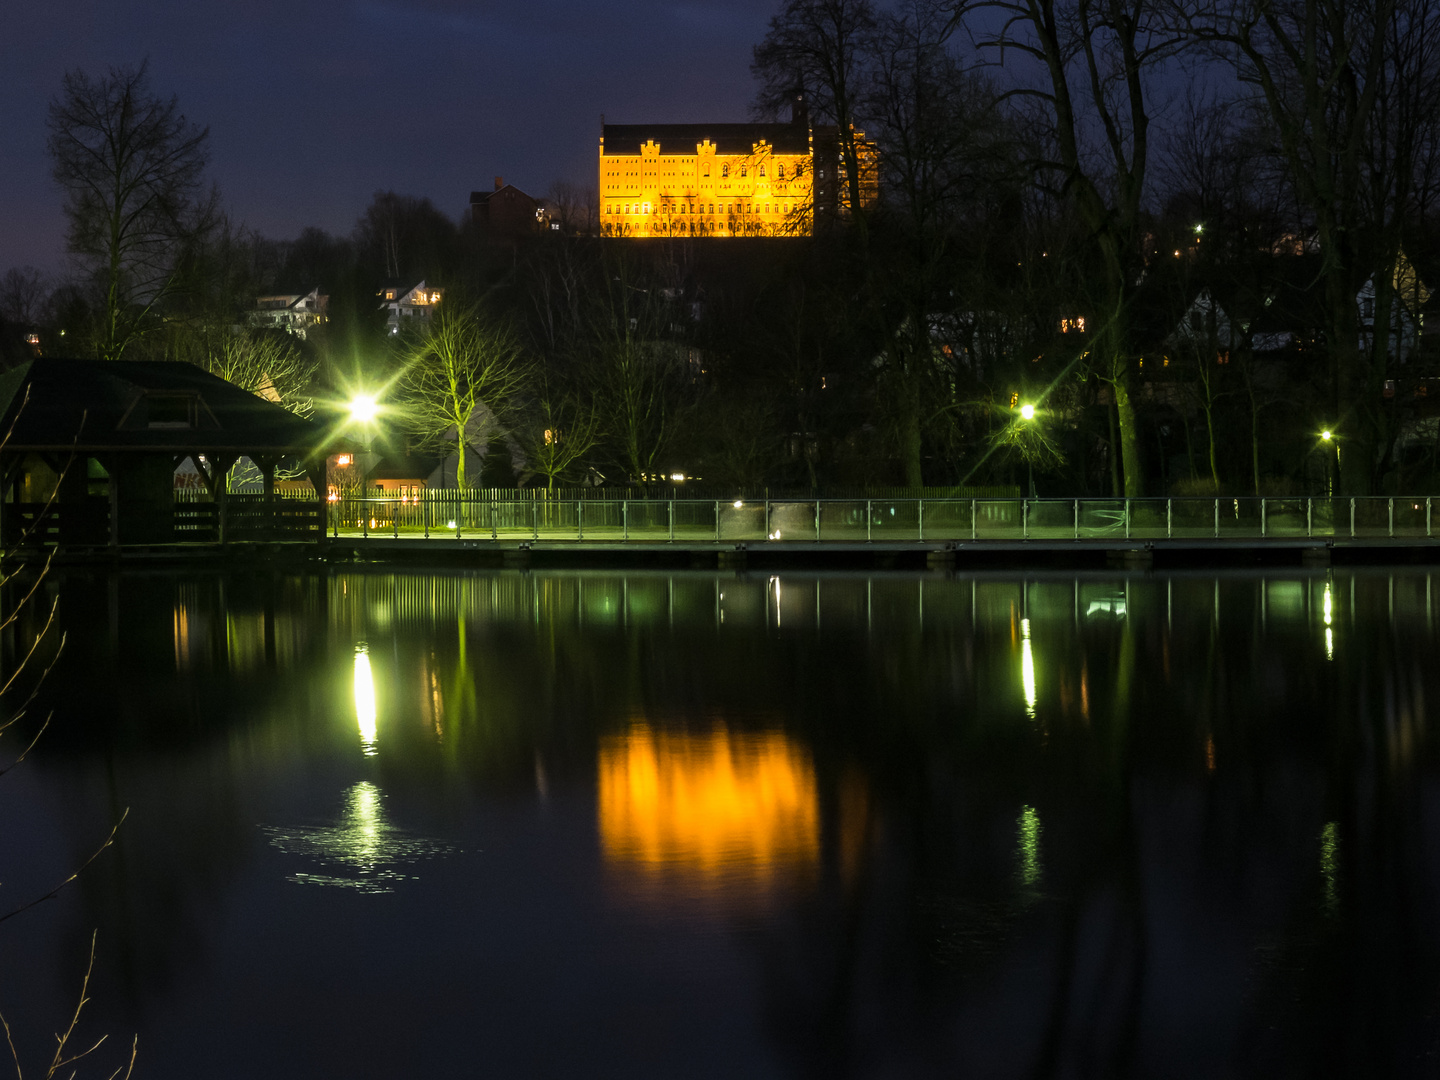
column 705, row 807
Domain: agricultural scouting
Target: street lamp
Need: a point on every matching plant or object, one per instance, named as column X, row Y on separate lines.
column 1328, row 436
column 364, row 408
column 1027, row 413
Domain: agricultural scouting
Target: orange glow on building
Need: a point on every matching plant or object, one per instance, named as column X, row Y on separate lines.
column 707, row 807
column 725, row 179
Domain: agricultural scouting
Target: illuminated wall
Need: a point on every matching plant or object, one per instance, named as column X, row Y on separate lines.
column 707, row 807
column 698, row 180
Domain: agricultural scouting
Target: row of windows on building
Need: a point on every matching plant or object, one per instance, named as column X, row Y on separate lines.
column 693, row 228
column 697, row 208
column 795, row 173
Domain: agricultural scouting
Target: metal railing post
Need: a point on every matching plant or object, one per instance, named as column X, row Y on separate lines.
column 494, row 525
column 364, row 521
column 868, row 519
column 767, row 519
column 1392, row 517
column 1309, row 516
column 1024, row 519
column 1127, row 517
column 1352, row 517
column 456, row 507
column 624, row 519
column 1262, row 516
column 579, row 519
column 672, row 520
column 920, row 534
column 425, row 511
column 1077, row 519
column 817, row 521
column 974, row 517
column 534, row 519
column 717, row 521
column 395, row 520
column 1217, row 519
column 1169, row 518
column 1427, row 517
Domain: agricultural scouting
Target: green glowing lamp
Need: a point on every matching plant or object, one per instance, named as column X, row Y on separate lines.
column 364, row 408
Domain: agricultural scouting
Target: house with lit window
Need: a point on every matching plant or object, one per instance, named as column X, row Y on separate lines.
column 408, row 308
column 719, row 180
column 295, row 313
column 507, row 213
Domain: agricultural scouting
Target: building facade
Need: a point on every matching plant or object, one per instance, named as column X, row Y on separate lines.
column 409, row 308
column 295, row 313
column 706, row 179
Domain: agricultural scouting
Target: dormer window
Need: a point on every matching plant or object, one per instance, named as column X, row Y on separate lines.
column 172, row 411
column 762, row 170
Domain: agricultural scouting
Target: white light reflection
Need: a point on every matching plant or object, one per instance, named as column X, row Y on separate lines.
column 365, row 700
column 1329, row 617
column 362, row 851
column 1027, row 668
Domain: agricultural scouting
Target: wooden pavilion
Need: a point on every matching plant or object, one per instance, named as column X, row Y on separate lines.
column 89, row 449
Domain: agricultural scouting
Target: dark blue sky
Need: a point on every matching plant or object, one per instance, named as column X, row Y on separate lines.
column 313, row 106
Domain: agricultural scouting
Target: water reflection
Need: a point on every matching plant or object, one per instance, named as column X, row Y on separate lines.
column 1027, row 668
column 1211, row 822
column 365, row 700
column 1028, row 847
column 1329, row 611
column 707, row 811
column 362, row 851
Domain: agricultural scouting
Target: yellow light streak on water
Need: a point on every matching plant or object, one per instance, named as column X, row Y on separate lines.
column 1330, row 865
column 365, row 701
column 1027, row 668
column 1028, row 846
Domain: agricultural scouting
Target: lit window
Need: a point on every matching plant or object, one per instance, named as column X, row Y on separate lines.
column 724, row 170
column 762, row 170
column 744, row 170
column 780, row 172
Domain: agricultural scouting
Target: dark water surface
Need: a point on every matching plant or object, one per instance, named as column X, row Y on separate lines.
column 701, row 825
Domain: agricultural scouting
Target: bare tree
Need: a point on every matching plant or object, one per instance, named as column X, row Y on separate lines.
column 462, row 381
column 268, row 364
column 818, row 46
column 1348, row 88
column 562, row 428
column 23, row 294
column 1095, row 60
column 132, row 168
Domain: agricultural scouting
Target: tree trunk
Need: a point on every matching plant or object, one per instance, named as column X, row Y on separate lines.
column 1129, row 438
column 910, row 451
column 1115, row 488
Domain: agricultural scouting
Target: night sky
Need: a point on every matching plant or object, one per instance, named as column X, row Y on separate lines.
column 313, row 107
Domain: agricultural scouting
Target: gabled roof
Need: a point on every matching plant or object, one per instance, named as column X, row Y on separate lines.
column 96, row 406
column 727, row 138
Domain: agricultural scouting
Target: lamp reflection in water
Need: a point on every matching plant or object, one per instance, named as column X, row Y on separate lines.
column 1028, row 847
column 1329, row 618
column 365, row 700
column 362, row 851
column 1027, row 668
column 715, row 814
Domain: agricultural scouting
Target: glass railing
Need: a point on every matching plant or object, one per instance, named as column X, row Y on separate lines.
column 473, row 515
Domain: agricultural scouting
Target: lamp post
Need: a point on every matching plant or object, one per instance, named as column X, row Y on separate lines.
column 1027, row 414
column 1327, row 436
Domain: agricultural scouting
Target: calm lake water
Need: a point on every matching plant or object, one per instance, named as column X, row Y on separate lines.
column 707, row 825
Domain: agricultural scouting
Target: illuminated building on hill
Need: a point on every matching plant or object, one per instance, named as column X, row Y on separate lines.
column 724, row 179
